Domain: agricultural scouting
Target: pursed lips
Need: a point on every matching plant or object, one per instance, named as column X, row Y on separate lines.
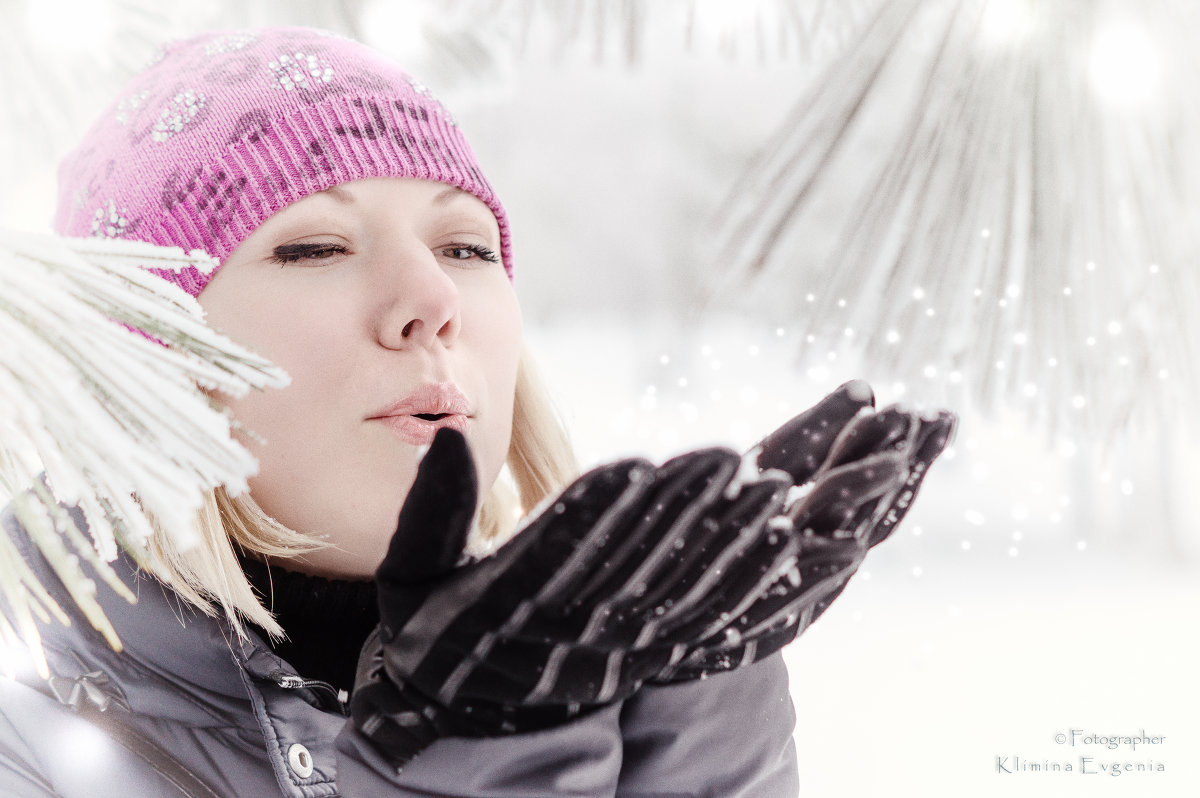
column 417, row 417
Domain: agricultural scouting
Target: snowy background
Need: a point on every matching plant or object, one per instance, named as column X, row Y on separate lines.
column 1047, row 580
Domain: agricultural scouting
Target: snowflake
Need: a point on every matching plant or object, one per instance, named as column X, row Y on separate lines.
column 130, row 104
column 108, row 222
column 228, row 43
column 181, row 109
column 297, row 70
column 158, row 55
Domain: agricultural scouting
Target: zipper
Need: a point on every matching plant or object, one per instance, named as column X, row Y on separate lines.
column 325, row 692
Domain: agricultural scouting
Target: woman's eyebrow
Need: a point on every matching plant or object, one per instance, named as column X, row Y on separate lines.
column 450, row 192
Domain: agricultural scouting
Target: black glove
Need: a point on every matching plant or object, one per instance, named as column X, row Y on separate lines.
column 861, row 492
column 604, row 589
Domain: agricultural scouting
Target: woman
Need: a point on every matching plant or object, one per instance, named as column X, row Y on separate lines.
column 330, row 636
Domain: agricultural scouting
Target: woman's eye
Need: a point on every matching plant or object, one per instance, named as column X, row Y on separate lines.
column 294, row 253
column 469, row 251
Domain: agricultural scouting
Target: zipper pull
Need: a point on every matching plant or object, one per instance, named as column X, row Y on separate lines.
column 290, row 682
column 287, row 680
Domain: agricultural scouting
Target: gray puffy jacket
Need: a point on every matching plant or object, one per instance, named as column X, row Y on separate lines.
column 246, row 724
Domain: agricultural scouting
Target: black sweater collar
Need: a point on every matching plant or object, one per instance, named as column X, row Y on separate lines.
column 326, row 620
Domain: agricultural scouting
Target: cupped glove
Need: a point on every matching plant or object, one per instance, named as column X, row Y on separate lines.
column 602, row 590
column 866, row 484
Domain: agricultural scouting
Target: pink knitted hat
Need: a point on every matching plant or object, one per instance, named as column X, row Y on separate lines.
column 225, row 129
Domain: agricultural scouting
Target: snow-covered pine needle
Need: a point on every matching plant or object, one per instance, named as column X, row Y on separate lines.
column 115, row 419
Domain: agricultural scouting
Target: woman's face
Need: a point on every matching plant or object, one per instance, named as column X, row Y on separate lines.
column 386, row 302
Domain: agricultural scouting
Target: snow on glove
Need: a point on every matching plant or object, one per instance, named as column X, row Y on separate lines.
column 861, row 493
column 598, row 593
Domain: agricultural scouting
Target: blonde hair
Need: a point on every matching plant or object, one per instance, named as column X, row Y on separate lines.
column 210, row 577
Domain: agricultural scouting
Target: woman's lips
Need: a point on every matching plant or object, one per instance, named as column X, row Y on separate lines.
column 416, row 418
column 420, row 431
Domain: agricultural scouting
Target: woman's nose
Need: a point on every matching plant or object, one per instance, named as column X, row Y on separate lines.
column 419, row 303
